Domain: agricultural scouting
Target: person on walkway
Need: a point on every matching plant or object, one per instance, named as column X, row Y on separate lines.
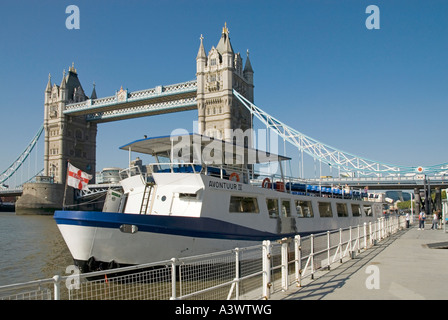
column 407, row 220
column 435, row 220
column 421, row 220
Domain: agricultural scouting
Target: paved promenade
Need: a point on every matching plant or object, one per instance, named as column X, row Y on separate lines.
column 405, row 265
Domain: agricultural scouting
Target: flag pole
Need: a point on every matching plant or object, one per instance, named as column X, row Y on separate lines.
column 65, row 188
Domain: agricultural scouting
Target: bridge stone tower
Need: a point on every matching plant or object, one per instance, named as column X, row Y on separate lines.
column 217, row 74
column 67, row 138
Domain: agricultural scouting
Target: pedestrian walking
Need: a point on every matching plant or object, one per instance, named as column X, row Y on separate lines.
column 407, row 220
column 435, row 220
column 421, row 220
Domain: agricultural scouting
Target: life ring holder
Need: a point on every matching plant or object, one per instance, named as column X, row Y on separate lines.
column 266, row 183
column 234, row 177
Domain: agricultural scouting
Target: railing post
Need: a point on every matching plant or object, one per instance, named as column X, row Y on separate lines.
column 365, row 235
column 298, row 259
column 285, row 264
column 359, row 239
column 312, row 255
column 57, row 287
column 237, row 273
column 340, row 245
column 386, row 228
column 376, row 231
column 266, row 269
column 350, row 240
column 173, row 279
column 328, row 249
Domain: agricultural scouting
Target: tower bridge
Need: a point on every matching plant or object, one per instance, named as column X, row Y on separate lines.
column 223, row 95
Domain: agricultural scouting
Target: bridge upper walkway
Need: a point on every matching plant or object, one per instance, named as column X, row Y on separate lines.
column 383, row 183
column 125, row 105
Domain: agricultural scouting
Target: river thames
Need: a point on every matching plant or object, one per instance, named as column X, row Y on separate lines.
column 32, row 248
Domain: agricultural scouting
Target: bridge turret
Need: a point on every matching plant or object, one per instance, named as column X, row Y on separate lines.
column 201, row 63
column 48, row 90
column 201, row 58
column 63, row 88
column 224, row 47
column 93, row 96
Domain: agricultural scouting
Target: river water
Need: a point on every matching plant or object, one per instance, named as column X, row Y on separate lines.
column 31, row 248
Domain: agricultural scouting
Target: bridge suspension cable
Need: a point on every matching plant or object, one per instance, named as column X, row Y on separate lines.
column 21, row 159
column 330, row 155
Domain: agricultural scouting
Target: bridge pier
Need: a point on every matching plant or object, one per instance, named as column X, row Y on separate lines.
column 42, row 198
column 427, row 197
column 438, row 200
column 417, row 201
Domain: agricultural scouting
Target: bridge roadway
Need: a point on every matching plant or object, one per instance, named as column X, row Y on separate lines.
column 93, row 189
column 11, row 192
column 408, row 269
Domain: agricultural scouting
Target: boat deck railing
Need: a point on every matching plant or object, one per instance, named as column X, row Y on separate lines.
column 248, row 175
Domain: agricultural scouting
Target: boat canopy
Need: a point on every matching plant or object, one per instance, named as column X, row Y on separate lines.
column 198, row 148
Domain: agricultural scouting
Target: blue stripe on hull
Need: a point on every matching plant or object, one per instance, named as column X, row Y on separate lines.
column 182, row 226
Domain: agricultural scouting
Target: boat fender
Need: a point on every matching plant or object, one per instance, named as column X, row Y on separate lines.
column 279, row 186
column 234, row 177
column 91, row 265
column 266, row 183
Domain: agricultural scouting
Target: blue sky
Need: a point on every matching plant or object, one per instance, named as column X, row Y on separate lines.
column 381, row 94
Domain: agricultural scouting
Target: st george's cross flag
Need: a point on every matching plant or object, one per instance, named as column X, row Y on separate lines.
column 77, row 179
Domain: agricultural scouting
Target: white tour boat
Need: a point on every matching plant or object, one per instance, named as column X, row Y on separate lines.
column 203, row 195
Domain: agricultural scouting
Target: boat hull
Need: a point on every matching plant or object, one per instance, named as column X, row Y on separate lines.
column 100, row 240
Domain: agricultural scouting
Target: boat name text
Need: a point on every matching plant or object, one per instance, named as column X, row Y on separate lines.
column 225, row 185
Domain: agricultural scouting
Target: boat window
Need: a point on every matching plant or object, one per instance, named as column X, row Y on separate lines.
column 187, row 196
column 325, row 210
column 286, row 208
column 356, row 210
column 368, row 210
column 243, row 204
column 304, row 209
column 272, row 207
column 342, row 209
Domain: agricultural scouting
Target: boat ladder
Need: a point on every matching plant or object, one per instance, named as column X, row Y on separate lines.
column 146, row 198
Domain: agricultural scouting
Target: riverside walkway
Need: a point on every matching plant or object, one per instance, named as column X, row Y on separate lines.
column 410, row 265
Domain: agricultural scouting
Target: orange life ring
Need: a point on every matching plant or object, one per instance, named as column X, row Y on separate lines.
column 234, row 177
column 266, row 183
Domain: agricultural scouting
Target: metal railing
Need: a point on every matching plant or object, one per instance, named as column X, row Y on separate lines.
column 242, row 273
